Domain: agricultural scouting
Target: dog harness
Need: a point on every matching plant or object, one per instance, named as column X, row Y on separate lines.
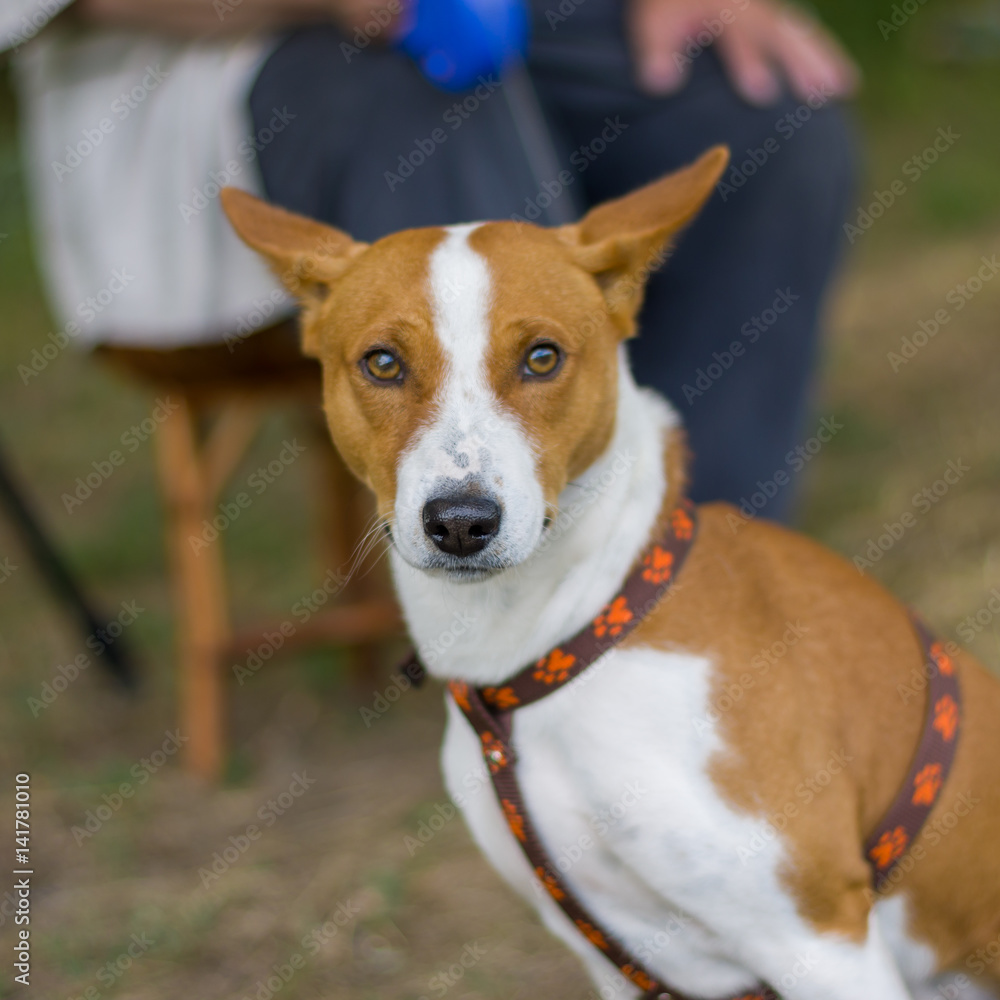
column 489, row 710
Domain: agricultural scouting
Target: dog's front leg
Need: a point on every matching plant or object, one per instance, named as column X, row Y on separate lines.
column 825, row 966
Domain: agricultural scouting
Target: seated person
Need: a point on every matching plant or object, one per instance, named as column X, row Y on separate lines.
column 351, row 133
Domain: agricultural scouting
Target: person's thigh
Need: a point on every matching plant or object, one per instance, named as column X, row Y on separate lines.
column 729, row 327
column 372, row 147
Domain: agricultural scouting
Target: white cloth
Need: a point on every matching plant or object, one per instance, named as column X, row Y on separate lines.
column 128, row 138
column 22, row 20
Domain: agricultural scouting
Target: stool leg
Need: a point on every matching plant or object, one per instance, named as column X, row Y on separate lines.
column 199, row 592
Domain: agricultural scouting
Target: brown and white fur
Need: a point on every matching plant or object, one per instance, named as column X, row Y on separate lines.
column 707, row 804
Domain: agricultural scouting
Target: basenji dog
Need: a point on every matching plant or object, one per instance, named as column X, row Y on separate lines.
column 705, row 788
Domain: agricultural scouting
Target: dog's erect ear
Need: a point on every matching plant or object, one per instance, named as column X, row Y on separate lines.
column 307, row 256
column 621, row 242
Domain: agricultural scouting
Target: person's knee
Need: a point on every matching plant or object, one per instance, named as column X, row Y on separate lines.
column 801, row 169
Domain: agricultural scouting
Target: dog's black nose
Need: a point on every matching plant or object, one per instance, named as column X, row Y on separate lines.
column 461, row 525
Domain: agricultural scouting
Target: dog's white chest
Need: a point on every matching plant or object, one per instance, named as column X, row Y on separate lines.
column 613, row 773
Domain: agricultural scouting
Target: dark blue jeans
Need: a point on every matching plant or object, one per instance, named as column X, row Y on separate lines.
column 729, row 327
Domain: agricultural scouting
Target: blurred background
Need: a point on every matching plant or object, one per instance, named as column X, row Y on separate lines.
column 360, row 882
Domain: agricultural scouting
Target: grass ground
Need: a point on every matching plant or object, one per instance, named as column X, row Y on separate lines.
column 364, row 875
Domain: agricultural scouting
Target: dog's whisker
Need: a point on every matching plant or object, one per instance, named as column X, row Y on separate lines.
column 364, row 546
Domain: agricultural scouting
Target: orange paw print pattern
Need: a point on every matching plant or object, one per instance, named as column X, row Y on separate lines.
column 638, row 977
column 612, row 621
column 926, row 785
column 514, row 819
column 682, row 524
column 502, row 698
column 460, row 692
column 890, row 846
column 658, row 565
column 942, row 659
column 946, row 717
column 554, row 668
column 593, row 935
column 549, row 881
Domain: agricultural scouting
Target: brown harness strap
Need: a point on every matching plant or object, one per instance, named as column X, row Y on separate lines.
column 905, row 818
column 489, row 711
column 642, row 591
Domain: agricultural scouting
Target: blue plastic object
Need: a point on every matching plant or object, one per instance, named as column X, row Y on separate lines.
column 455, row 42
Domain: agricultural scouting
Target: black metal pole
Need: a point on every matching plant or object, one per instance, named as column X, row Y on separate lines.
column 59, row 577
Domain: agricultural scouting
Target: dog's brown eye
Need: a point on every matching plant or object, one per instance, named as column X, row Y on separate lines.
column 542, row 359
column 383, row 366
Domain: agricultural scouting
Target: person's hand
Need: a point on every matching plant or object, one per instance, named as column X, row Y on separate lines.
column 758, row 41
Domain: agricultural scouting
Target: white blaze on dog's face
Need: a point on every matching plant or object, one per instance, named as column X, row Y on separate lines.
column 469, row 499
column 470, row 372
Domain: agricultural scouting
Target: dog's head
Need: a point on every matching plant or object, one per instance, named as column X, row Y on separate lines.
column 470, row 372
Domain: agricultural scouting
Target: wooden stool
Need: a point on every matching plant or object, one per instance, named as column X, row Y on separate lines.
column 223, row 396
